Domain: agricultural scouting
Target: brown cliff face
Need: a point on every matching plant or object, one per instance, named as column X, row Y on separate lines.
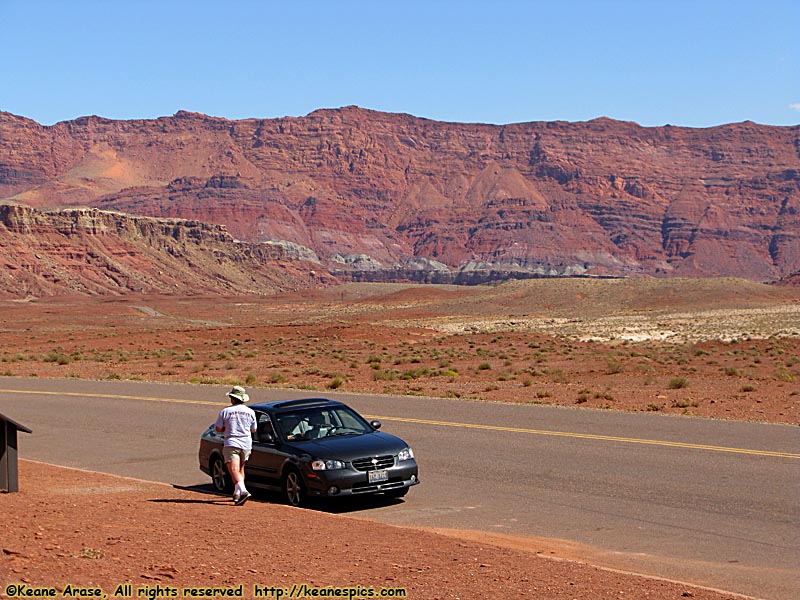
column 89, row 251
column 387, row 195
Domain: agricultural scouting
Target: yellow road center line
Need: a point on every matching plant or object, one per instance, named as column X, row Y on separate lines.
column 117, row 396
column 589, row 436
column 546, row 432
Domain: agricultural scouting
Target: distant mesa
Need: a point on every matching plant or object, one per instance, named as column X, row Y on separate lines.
column 365, row 195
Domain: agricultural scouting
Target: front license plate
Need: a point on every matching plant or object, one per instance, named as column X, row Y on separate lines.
column 376, row 476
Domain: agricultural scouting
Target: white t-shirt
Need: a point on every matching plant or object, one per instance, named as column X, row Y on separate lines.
column 237, row 421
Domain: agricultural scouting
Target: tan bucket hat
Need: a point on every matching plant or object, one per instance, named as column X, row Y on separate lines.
column 238, row 393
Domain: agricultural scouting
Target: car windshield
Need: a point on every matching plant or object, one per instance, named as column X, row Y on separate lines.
column 321, row 422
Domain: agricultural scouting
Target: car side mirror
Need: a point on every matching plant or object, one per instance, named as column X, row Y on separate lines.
column 266, row 438
column 375, row 424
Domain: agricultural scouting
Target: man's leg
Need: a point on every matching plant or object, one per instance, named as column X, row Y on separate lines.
column 241, row 472
column 241, row 490
column 233, row 465
column 236, row 469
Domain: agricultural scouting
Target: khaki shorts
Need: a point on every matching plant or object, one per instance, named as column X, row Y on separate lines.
column 230, row 453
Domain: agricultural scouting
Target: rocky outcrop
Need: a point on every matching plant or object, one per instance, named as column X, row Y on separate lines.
column 792, row 280
column 363, row 191
column 88, row 251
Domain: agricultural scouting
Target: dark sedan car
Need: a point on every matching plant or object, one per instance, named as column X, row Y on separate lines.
column 316, row 448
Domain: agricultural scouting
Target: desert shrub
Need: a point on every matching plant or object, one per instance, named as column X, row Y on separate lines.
column 731, row 371
column 484, row 366
column 654, row 407
column 414, row 373
column 782, row 374
column 385, row 375
column 276, row 378
column 677, row 383
column 336, row 383
column 250, row 379
column 206, row 380
column 685, row 403
column 56, row 356
column 305, row 386
column 748, row 388
column 614, row 367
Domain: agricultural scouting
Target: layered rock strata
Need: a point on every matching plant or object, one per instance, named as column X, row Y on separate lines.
column 381, row 196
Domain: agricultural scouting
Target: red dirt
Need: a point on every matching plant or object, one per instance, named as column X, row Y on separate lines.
column 86, row 529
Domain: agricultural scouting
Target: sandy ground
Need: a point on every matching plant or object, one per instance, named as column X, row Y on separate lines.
column 531, row 343
column 727, row 349
column 69, row 527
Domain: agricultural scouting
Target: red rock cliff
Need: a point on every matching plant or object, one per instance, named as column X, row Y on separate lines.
column 374, row 192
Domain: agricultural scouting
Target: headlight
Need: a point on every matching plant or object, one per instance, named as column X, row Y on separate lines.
column 327, row 465
column 405, row 454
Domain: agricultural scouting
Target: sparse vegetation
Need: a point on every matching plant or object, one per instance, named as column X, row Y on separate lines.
column 468, row 356
column 336, row 383
column 677, row 383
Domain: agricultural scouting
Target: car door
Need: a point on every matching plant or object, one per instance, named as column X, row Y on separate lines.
column 263, row 468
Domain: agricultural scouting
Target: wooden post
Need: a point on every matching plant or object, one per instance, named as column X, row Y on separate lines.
column 9, row 479
column 5, row 476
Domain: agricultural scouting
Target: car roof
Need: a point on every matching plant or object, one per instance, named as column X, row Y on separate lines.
column 285, row 405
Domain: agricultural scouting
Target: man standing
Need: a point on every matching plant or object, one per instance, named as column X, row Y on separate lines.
column 238, row 422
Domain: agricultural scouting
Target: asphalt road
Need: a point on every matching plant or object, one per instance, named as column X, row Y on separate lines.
column 708, row 502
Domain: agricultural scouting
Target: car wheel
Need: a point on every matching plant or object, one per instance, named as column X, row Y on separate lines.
column 397, row 493
column 293, row 490
column 220, row 478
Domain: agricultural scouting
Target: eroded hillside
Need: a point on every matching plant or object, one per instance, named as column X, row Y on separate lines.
column 391, row 197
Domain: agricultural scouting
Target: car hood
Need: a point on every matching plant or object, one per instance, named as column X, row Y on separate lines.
column 353, row 446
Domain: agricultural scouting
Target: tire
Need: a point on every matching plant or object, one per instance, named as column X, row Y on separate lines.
column 220, row 478
column 294, row 492
column 397, row 493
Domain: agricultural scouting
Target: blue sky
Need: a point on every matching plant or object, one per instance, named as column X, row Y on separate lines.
column 694, row 63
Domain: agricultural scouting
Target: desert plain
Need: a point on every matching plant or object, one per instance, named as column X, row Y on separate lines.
column 700, row 348
column 720, row 348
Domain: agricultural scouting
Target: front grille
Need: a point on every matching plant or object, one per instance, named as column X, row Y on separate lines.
column 371, row 463
column 364, row 487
